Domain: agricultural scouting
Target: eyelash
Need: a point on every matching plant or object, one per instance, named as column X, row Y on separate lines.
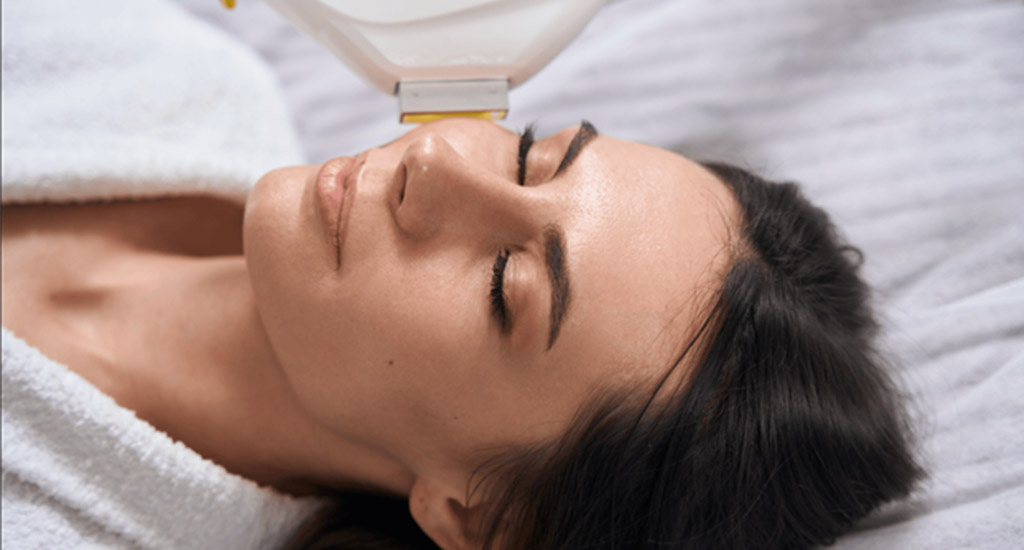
column 498, row 291
column 498, row 308
column 525, row 142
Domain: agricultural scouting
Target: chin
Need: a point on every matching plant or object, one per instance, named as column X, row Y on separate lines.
column 280, row 238
column 282, row 248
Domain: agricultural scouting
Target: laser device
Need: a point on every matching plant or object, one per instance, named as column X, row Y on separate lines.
column 442, row 57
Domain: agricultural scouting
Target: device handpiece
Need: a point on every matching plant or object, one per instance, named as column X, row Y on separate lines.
column 443, row 57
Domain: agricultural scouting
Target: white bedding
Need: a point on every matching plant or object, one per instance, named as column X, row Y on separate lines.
column 904, row 118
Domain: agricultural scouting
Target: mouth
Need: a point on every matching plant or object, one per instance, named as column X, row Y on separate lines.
column 335, row 192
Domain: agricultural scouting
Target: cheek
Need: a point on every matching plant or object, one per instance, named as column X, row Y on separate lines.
column 416, row 329
column 421, row 312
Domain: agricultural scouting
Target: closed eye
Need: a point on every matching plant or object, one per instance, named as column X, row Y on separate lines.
column 525, row 142
column 498, row 307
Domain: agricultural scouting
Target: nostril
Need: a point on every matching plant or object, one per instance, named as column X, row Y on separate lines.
column 403, row 181
column 396, row 188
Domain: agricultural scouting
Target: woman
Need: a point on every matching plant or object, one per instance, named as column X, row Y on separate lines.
column 577, row 342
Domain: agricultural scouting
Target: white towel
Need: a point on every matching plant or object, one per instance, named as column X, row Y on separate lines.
column 80, row 471
column 111, row 99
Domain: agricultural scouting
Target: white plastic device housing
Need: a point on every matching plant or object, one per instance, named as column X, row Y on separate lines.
column 388, row 42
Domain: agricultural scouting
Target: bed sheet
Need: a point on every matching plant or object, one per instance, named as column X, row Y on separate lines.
column 903, row 118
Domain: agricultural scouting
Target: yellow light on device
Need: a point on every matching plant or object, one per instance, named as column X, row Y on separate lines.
column 421, row 118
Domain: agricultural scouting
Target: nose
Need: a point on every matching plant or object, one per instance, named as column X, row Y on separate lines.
column 444, row 194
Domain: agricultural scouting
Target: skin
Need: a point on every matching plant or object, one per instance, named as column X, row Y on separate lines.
column 389, row 372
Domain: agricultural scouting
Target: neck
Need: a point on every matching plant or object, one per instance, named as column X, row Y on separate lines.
column 199, row 366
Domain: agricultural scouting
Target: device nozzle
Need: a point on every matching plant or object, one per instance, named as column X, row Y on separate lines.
column 428, row 100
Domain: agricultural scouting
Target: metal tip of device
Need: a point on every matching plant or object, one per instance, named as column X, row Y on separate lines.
column 428, row 100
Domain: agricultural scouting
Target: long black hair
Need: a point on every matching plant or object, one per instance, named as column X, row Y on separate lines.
column 787, row 430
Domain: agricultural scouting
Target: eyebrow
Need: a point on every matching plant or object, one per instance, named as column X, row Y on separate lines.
column 583, row 136
column 554, row 242
column 558, row 276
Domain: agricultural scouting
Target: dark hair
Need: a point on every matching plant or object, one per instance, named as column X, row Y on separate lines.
column 360, row 521
column 787, row 430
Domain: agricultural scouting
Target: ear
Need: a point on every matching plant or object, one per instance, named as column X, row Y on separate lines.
column 442, row 514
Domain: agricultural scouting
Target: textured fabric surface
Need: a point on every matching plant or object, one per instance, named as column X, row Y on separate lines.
column 109, row 99
column 81, row 471
column 903, row 118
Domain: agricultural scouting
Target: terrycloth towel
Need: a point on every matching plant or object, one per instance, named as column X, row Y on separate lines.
column 80, row 471
column 114, row 99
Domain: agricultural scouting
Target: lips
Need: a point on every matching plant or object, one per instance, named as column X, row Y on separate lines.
column 335, row 193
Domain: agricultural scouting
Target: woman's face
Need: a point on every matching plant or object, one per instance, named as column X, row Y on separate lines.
column 390, row 332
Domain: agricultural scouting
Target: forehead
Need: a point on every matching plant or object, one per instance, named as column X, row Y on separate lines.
column 646, row 241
